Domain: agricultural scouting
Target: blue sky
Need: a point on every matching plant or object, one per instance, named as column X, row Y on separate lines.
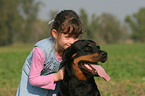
column 119, row 8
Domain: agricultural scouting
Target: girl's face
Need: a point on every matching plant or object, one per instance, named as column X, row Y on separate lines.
column 64, row 40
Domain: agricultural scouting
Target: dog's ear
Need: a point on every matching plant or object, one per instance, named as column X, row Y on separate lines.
column 69, row 52
column 98, row 46
column 94, row 43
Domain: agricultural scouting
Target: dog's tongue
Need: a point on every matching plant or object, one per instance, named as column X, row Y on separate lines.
column 101, row 72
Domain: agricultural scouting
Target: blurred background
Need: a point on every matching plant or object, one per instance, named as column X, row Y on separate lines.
column 117, row 25
column 113, row 21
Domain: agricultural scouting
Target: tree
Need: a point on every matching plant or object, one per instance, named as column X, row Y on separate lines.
column 52, row 14
column 89, row 28
column 9, row 21
column 29, row 10
column 17, row 21
column 93, row 27
column 104, row 28
column 109, row 28
column 137, row 25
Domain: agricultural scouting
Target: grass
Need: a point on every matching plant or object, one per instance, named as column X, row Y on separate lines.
column 11, row 62
column 125, row 66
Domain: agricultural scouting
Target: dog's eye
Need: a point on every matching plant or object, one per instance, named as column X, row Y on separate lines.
column 98, row 46
column 87, row 48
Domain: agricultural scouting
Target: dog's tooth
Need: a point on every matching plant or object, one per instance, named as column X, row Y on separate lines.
column 88, row 66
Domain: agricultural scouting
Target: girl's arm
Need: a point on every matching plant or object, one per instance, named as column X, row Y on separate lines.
column 46, row 82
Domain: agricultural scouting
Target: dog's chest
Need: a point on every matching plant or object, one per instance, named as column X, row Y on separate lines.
column 77, row 88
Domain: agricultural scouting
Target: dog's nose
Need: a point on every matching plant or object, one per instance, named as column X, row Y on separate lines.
column 103, row 54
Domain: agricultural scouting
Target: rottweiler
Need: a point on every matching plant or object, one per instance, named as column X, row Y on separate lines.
column 80, row 62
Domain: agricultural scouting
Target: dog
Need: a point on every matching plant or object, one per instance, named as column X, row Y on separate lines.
column 80, row 62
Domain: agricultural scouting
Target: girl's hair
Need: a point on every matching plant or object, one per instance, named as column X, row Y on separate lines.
column 68, row 22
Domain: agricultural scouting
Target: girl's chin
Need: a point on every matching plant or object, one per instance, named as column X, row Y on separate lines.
column 63, row 48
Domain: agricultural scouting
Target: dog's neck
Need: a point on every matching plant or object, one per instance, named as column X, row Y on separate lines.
column 78, row 87
column 72, row 84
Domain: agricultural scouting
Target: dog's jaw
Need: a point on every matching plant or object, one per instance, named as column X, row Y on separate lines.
column 83, row 65
column 78, row 73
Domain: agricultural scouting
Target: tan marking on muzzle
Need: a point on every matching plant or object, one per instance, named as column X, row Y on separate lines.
column 74, row 55
column 79, row 74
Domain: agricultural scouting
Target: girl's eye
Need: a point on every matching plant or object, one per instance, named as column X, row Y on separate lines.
column 66, row 36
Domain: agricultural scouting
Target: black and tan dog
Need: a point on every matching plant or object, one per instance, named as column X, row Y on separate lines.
column 80, row 62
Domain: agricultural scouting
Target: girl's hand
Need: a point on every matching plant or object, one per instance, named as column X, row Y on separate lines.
column 59, row 75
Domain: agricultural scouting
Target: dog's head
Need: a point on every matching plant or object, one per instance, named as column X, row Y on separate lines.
column 85, row 55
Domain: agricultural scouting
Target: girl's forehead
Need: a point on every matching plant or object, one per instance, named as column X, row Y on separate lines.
column 71, row 31
column 67, row 29
column 68, row 35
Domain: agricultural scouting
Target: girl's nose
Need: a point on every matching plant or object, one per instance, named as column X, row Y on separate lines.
column 72, row 40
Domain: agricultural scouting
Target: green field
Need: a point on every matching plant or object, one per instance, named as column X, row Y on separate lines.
column 125, row 66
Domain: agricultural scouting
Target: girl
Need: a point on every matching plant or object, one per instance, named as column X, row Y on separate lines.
column 42, row 71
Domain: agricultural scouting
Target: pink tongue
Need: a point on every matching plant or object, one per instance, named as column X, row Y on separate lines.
column 101, row 72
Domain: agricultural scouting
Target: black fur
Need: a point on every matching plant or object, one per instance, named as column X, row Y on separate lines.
column 71, row 85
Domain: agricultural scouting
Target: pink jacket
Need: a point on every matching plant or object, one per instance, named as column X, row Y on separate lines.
column 37, row 65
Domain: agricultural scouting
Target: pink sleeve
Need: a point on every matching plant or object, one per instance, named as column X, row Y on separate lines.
column 46, row 82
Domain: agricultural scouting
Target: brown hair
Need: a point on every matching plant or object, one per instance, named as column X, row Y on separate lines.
column 68, row 22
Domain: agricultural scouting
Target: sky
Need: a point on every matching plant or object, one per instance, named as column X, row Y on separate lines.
column 119, row 8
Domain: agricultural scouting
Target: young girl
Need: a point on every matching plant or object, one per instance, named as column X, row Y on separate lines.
column 42, row 71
